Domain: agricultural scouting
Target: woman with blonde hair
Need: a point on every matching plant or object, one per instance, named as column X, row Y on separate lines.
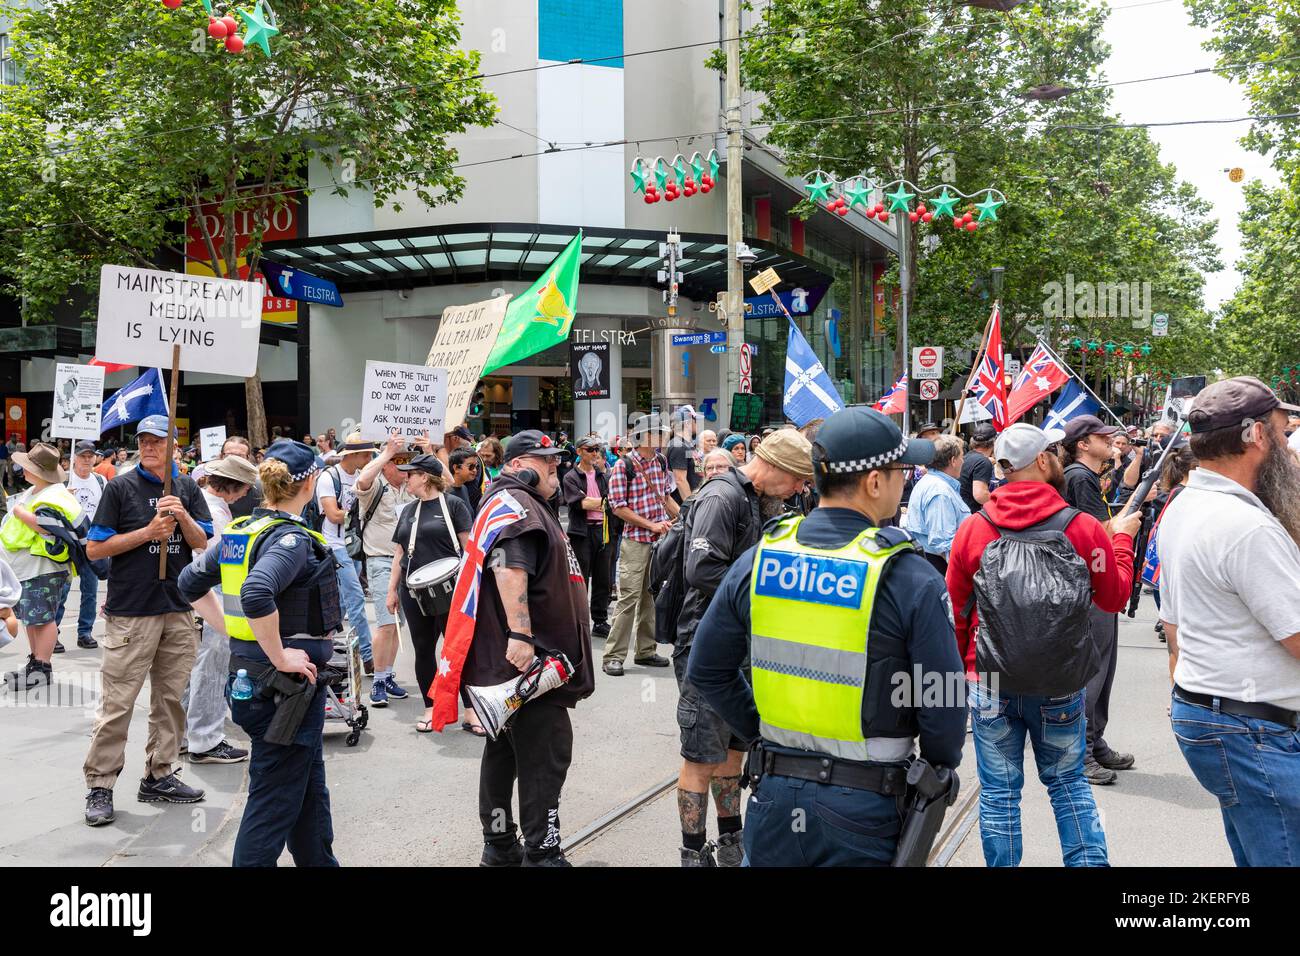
column 434, row 526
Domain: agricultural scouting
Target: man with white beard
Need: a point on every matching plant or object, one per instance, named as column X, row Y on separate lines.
column 1230, row 601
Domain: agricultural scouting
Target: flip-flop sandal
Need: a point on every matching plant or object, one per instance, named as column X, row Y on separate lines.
column 471, row 729
column 424, row 726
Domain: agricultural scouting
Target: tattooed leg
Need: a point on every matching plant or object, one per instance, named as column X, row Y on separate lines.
column 726, row 795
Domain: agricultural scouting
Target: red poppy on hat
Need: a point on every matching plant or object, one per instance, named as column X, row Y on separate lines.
column 546, row 441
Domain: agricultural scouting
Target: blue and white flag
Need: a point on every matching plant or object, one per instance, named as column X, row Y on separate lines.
column 1071, row 403
column 809, row 391
column 130, row 403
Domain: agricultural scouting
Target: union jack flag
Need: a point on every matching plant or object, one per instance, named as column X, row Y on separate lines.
column 1041, row 376
column 496, row 513
column 990, row 385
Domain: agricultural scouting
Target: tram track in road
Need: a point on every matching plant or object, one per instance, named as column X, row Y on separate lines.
column 958, row 823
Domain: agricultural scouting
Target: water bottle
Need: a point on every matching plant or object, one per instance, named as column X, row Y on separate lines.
column 242, row 688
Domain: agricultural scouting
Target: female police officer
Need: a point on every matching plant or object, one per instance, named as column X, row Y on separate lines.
column 281, row 606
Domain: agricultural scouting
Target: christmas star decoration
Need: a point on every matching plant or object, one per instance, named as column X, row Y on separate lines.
column 713, row 163
column 260, row 30
column 207, row 5
column 661, row 174
column 858, row 192
column 679, row 170
column 697, row 167
column 1146, row 350
column 898, row 199
column 942, row 204
column 989, row 208
column 819, row 190
column 638, row 177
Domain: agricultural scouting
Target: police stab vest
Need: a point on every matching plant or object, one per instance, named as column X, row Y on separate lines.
column 16, row 536
column 311, row 608
column 810, row 613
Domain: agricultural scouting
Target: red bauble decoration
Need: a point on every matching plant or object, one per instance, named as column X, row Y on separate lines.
column 690, row 183
column 171, row 4
column 216, row 28
column 972, row 226
column 957, row 223
column 707, row 187
column 235, row 43
column 842, row 210
column 670, row 196
column 880, row 209
column 884, row 217
column 920, row 208
column 967, row 218
column 649, row 199
column 232, row 25
column 913, row 215
column 927, row 216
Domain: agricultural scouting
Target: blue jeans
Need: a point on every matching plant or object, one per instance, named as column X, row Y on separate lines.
column 288, row 802
column 89, row 600
column 1253, row 767
column 1055, row 726
column 792, row 822
column 354, row 599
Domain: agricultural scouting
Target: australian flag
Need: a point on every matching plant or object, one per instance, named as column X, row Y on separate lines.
column 1071, row 403
column 495, row 513
column 809, row 391
column 130, row 403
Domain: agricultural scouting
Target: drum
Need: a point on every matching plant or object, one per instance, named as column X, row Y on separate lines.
column 432, row 584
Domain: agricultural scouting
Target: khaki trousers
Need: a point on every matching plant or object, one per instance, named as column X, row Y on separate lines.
column 635, row 607
column 161, row 648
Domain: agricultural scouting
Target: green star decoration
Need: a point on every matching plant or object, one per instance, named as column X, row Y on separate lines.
column 661, row 174
column 697, row 167
column 259, row 30
column 1146, row 350
column 638, row 177
column 989, row 208
column 858, row 192
column 899, row 198
column 819, row 190
column 942, row 204
column 713, row 163
column 679, row 170
column 207, row 5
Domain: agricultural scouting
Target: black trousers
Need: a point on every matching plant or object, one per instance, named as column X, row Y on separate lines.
column 594, row 559
column 1105, row 634
column 425, row 632
column 536, row 748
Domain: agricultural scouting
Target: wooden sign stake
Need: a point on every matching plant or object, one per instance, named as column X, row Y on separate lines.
column 171, row 447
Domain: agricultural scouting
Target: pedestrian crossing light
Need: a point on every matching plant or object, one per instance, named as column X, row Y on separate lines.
column 476, row 402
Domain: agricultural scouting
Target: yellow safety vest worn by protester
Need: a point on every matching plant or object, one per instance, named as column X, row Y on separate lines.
column 15, row 536
column 298, row 608
column 810, row 621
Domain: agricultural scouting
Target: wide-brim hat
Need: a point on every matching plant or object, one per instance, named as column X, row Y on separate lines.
column 43, row 462
column 233, row 468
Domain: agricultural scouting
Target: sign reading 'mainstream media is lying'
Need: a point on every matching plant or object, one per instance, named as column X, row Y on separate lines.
column 143, row 313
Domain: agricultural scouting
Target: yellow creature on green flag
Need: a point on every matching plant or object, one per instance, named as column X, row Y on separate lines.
column 541, row 317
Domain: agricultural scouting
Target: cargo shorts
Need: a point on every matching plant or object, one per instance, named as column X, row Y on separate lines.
column 705, row 736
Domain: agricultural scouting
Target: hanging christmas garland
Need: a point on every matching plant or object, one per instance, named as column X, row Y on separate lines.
column 688, row 176
column 1128, row 349
column 261, row 24
column 840, row 196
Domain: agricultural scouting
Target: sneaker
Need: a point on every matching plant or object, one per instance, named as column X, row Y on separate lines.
column 379, row 694
column 99, row 807
column 613, row 668
column 695, row 858
column 37, row 673
column 730, row 848
column 655, row 661
column 168, row 789
column 551, row 859
column 502, row 854
column 1114, row 760
column 1097, row 775
column 221, row 753
column 86, row 642
column 600, row 630
column 394, row 691
column 58, row 647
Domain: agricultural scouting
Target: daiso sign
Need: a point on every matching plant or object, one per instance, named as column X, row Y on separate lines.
column 280, row 223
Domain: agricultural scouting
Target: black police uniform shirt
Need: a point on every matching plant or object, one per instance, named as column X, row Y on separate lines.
column 911, row 607
column 431, row 539
column 975, row 467
column 129, row 503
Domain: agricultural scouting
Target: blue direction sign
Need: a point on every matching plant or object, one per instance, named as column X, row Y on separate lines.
column 700, row 338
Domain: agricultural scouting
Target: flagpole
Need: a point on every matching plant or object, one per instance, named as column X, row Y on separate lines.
column 974, row 368
column 1075, row 376
column 164, row 546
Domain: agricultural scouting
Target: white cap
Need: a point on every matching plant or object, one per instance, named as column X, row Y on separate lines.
column 1020, row 444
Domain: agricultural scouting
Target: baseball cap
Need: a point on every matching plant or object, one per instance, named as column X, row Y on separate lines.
column 429, row 464
column 460, row 431
column 233, row 467
column 788, row 450
column 1021, row 443
column 685, row 412
column 152, row 425
column 300, row 459
column 1228, row 403
column 590, row 441
column 532, row 442
column 85, row 446
column 983, row 434
column 1081, row 426
column 860, row 439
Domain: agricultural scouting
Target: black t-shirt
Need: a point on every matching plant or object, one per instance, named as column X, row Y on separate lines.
column 974, row 468
column 431, row 539
column 681, row 457
column 243, row 507
column 525, row 552
column 461, row 494
column 1083, row 491
column 129, row 503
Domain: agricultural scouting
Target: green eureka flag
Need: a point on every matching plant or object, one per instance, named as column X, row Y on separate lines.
column 540, row 317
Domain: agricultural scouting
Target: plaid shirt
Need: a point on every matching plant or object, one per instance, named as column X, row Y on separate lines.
column 645, row 495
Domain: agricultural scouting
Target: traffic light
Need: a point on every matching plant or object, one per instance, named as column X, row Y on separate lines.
column 477, row 400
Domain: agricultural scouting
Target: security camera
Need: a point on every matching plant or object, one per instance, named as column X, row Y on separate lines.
column 404, row 294
column 498, row 292
column 745, row 256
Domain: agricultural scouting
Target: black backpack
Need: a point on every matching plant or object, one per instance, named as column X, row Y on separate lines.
column 668, row 577
column 1034, row 593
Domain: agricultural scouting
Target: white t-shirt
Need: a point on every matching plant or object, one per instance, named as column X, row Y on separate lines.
column 1230, row 583
column 220, row 512
column 327, row 488
column 87, row 491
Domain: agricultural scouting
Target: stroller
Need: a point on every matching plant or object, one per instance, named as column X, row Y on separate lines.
column 341, row 679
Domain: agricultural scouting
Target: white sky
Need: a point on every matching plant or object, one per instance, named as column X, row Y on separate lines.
column 1158, row 38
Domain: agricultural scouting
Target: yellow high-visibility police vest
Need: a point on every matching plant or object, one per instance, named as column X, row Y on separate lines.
column 237, row 546
column 810, row 611
column 16, row 536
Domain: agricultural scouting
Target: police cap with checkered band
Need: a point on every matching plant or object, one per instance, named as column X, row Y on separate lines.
column 859, row 439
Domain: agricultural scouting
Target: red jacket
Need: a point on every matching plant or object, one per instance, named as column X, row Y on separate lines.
column 1018, row 505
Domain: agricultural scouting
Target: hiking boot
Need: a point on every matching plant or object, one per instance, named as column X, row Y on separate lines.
column 551, row 859
column 730, row 848
column 37, row 673
column 693, row 858
column 600, row 630
column 1096, row 774
column 221, row 753
column 613, row 668
column 58, row 647
column 99, row 807
column 1114, row 760
column 652, row 661
column 502, row 854
column 86, row 642
column 168, row 789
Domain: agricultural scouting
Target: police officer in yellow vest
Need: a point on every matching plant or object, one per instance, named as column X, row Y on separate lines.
column 849, row 635
column 280, row 608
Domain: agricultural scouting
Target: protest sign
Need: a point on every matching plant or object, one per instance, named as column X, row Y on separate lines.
column 464, row 341
column 410, row 399
column 144, row 313
column 210, row 442
column 78, row 400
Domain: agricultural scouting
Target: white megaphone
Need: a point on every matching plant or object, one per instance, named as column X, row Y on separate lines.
column 497, row 704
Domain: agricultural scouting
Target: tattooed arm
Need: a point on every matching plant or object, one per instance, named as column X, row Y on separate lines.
column 512, row 585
